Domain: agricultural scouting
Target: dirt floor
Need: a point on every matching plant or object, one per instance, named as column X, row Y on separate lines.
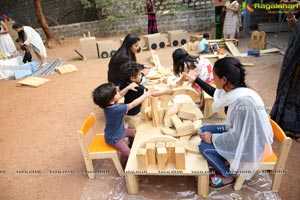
column 40, row 154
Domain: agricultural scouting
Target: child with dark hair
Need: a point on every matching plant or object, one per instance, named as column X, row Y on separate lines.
column 131, row 72
column 242, row 140
column 106, row 96
column 27, row 55
column 184, row 62
column 203, row 44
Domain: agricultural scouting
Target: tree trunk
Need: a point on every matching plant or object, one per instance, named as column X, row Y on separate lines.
column 51, row 40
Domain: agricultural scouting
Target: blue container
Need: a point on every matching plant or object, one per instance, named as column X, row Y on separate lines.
column 253, row 52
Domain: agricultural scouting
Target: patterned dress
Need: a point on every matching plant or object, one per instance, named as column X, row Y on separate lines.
column 152, row 25
column 231, row 27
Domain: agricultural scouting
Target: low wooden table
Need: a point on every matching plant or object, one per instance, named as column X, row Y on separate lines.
column 196, row 165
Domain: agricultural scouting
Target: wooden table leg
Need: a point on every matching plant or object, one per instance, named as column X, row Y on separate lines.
column 132, row 184
column 203, row 183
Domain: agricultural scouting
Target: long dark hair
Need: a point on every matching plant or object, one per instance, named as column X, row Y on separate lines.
column 125, row 49
column 182, row 58
column 232, row 69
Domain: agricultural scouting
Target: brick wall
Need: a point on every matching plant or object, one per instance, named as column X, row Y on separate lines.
column 191, row 21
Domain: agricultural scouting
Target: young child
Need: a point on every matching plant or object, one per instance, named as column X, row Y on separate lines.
column 106, row 96
column 184, row 62
column 203, row 44
column 131, row 72
column 27, row 55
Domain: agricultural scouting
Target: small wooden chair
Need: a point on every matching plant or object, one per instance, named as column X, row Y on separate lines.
column 273, row 162
column 97, row 147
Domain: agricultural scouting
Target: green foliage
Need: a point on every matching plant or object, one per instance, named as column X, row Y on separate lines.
column 109, row 22
column 179, row 8
column 104, row 6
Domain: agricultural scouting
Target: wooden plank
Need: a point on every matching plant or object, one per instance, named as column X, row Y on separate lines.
column 271, row 50
column 33, row 81
column 66, row 68
column 248, row 64
column 234, row 51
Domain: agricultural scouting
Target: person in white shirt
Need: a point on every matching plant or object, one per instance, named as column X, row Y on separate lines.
column 31, row 36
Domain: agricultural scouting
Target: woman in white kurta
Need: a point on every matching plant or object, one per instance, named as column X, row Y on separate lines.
column 7, row 45
column 230, row 27
column 32, row 37
column 247, row 133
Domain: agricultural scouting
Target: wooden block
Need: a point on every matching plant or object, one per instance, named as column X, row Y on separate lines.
column 172, row 110
column 248, row 64
column 177, row 123
column 171, row 151
column 271, row 50
column 187, row 91
column 161, row 113
column 150, row 148
column 180, row 157
column 33, row 81
column 177, row 37
column 194, row 38
column 168, row 131
column 145, row 105
column 155, row 41
column 197, row 124
column 154, row 111
column 66, row 68
column 162, row 158
column 187, row 106
column 186, row 128
column 160, row 144
column 192, row 113
column 142, row 159
column 107, row 48
column 234, row 51
column 89, row 47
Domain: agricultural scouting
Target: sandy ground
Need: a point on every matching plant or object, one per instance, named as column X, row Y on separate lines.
column 38, row 134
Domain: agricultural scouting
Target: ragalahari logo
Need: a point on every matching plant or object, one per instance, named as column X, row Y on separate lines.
column 247, row 7
column 278, row 7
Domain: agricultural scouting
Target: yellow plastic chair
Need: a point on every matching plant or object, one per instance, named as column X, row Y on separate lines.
column 97, row 147
column 274, row 163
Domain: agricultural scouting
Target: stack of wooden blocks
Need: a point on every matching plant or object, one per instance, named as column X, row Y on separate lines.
column 88, row 46
column 182, row 119
column 161, row 153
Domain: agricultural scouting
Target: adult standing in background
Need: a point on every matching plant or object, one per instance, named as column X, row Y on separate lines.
column 286, row 109
column 152, row 24
column 231, row 27
column 32, row 37
column 7, row 45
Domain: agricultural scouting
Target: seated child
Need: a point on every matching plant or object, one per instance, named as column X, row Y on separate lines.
column 27, row 55
column 106, row 96
column 131, row 72
column 203, row 44
column 184, row 62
